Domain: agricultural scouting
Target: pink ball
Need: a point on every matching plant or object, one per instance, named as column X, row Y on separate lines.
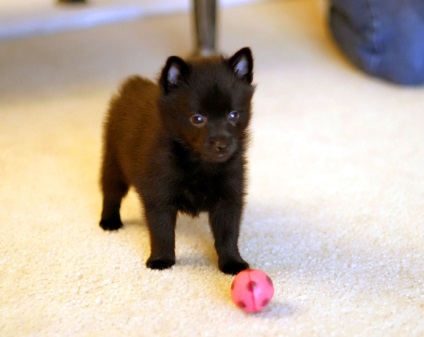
column 252, row 290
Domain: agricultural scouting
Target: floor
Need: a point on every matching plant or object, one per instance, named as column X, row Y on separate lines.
column 24, row 18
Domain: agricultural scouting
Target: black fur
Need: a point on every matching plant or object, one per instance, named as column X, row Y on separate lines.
column 182, row 144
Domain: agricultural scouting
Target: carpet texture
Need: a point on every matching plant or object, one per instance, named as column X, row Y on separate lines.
column 334, row 214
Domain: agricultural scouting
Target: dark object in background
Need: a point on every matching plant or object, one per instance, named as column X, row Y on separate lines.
column 71, row 1
column 384, row 38
column 205, row 13
column 182, row 144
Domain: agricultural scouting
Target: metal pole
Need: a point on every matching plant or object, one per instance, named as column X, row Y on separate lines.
column 205, row 26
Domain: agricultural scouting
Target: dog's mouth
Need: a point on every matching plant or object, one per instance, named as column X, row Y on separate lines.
column 216, row 157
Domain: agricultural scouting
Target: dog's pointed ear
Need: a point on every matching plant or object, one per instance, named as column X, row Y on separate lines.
column 241, row 64
column 174, row 73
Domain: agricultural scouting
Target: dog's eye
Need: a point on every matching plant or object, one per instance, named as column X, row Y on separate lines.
column 198, row 120
column 233, row 116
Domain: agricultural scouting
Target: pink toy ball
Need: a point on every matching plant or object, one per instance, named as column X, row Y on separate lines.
column 252, row 290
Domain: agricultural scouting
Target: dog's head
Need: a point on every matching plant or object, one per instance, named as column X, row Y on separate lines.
column 205, row 104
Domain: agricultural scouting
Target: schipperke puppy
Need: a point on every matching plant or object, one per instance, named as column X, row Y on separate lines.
column 181, row 143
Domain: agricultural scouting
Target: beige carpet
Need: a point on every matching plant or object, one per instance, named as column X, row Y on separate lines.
column 335, row 211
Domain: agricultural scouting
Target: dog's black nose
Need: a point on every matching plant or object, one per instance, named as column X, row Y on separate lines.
column 220, row 144
column 220, row 147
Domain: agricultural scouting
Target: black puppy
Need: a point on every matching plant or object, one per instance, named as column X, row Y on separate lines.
column 182, row 145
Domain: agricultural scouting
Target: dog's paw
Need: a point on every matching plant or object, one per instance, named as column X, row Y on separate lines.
column 111, row 224
column 160, row 263
column 233, row 267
